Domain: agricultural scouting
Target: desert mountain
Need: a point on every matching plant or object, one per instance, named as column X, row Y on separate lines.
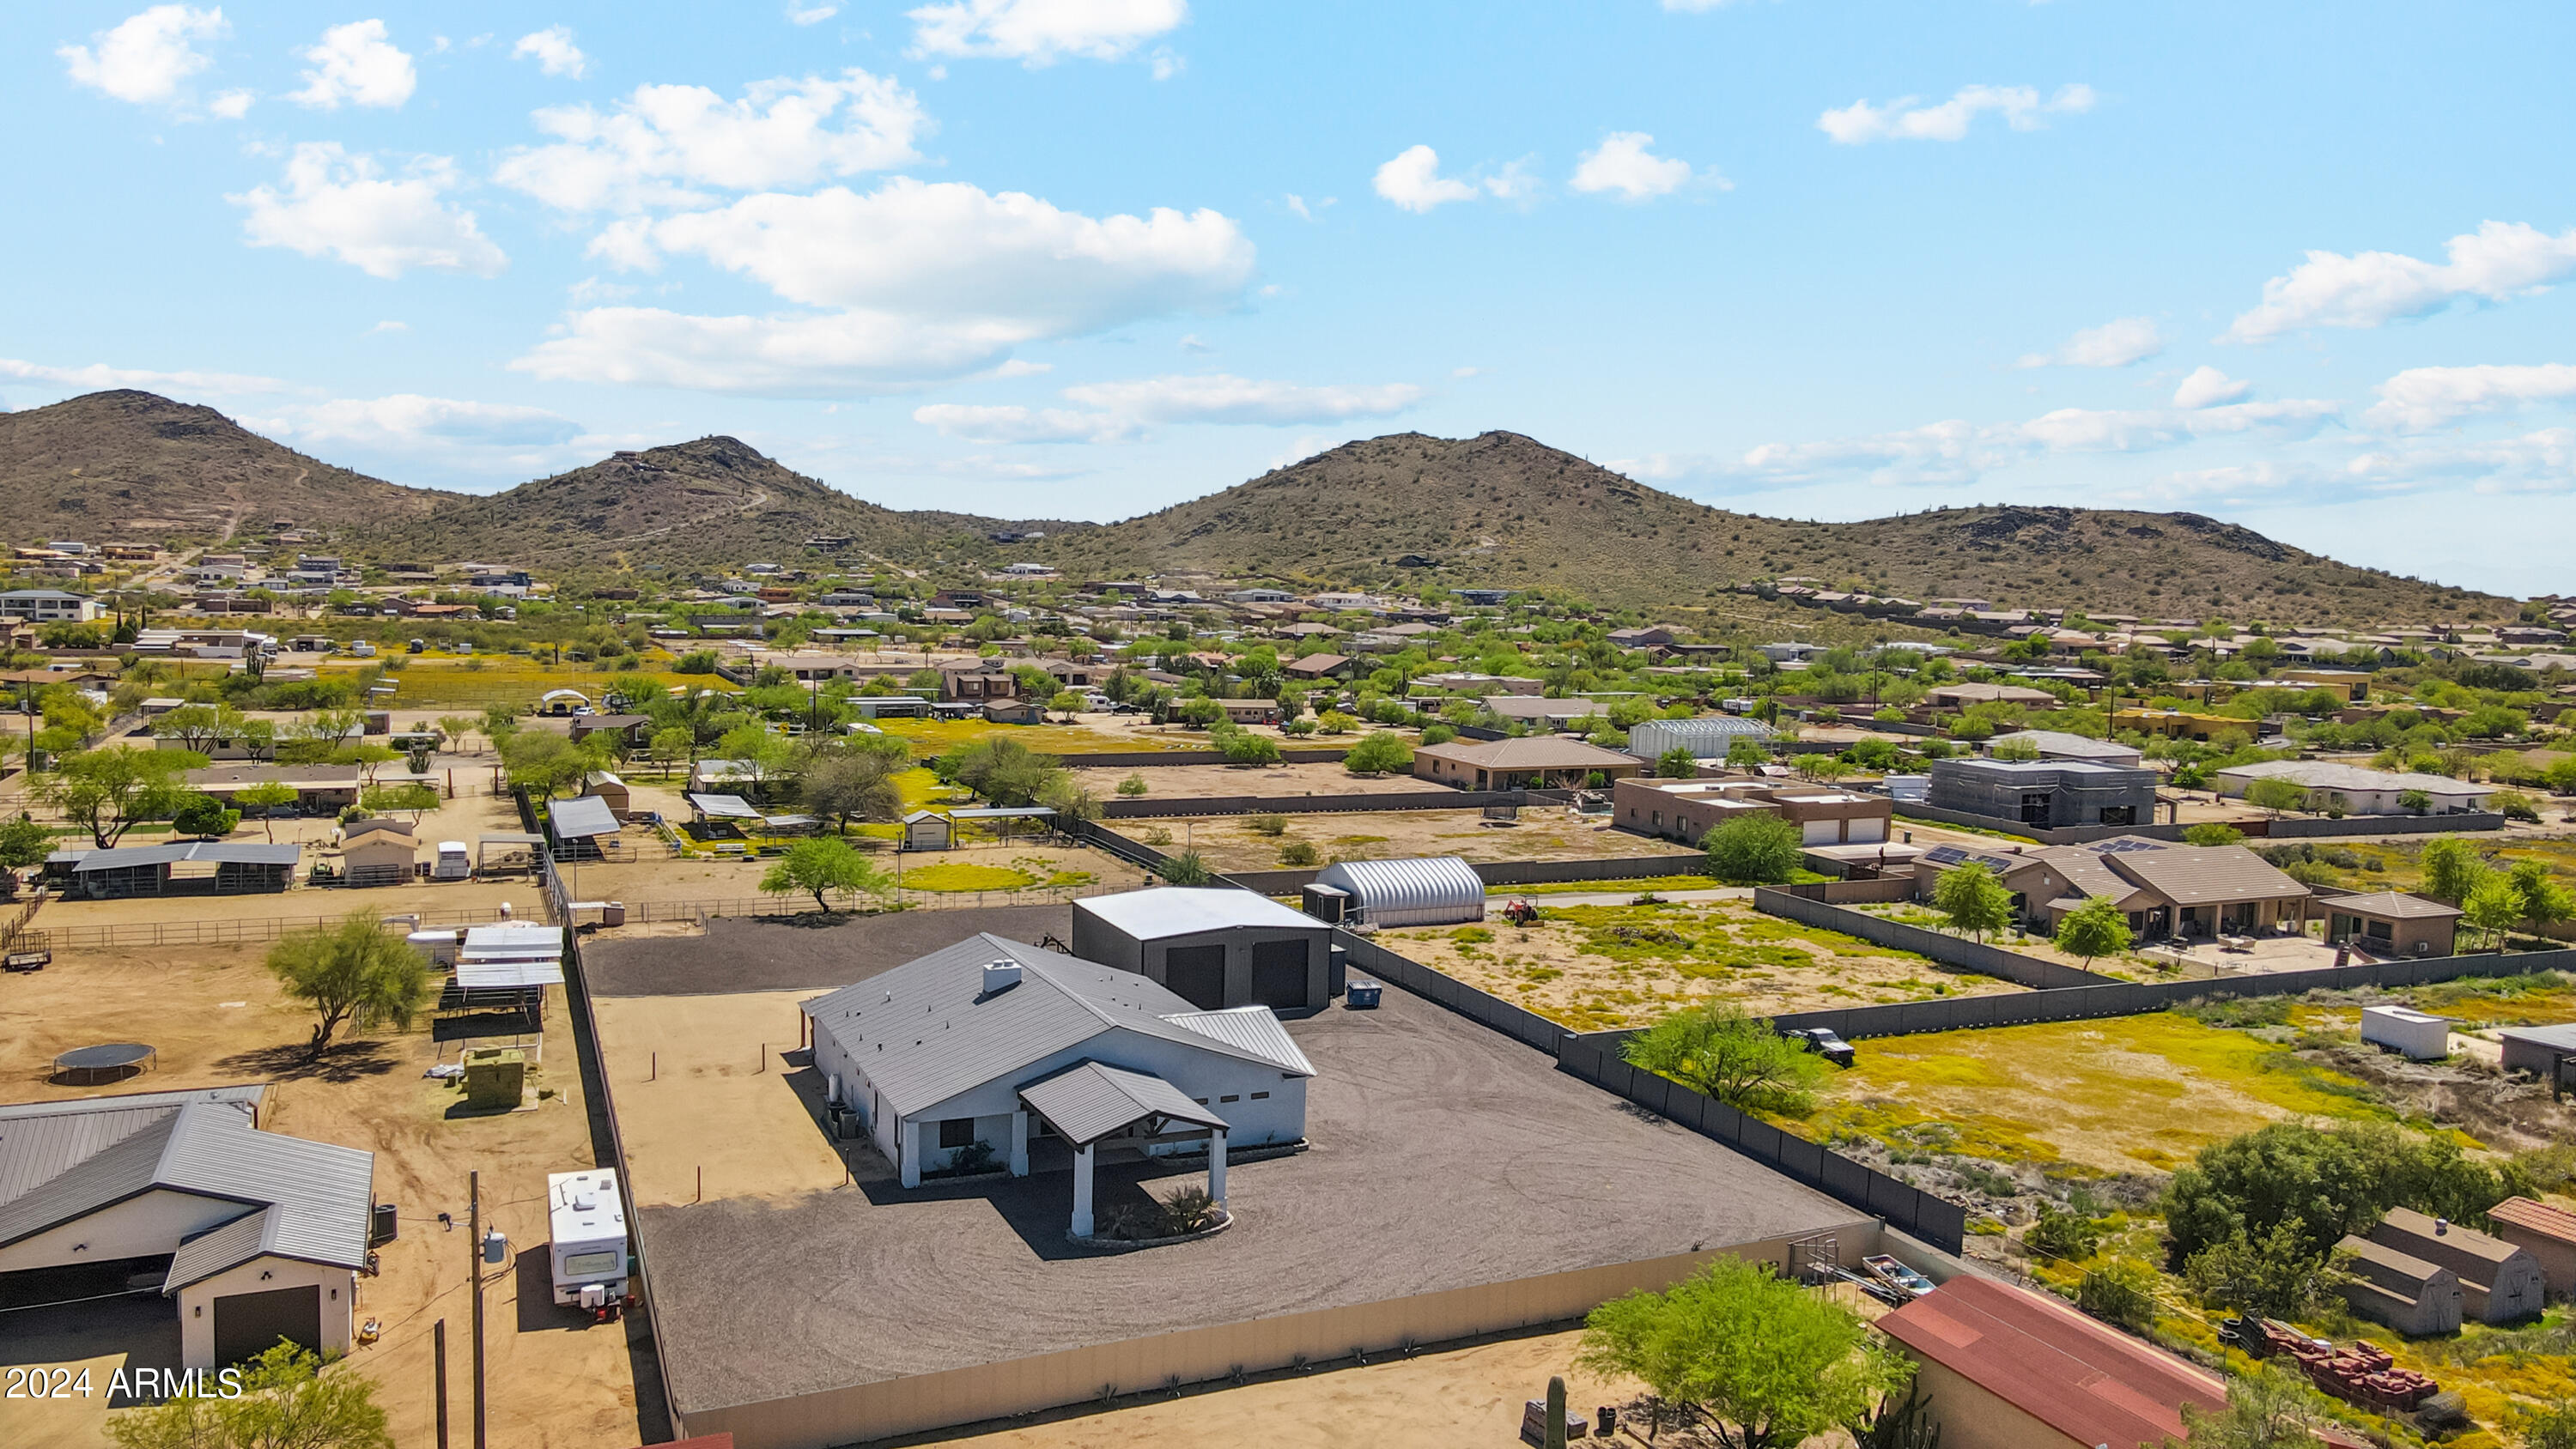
column 141, row 468
column 1507, row 511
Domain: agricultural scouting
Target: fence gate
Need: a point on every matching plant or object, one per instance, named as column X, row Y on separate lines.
column 1813, row 1260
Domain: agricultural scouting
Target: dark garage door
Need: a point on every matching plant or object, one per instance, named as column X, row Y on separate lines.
column 1196, row 974
column 249, row 1324
column 1279, row 974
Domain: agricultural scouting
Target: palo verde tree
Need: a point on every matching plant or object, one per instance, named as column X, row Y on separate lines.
column 267, row 797
column 23, row 843
column 352, row 974
column 1972, row 900
column 286, row 1398
column 2451, row 869
column 826, row 863
column 1754, row 850
column 109, row 791
column 1379, row 752
column 2095, row 928
column 1716, row 1049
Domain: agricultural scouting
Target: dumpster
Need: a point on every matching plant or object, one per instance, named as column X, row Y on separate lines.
column 1362, row 995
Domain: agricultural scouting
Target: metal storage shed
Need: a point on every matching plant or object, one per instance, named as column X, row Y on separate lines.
column 585, row 818
column 1707, row 737
column 1432, row 891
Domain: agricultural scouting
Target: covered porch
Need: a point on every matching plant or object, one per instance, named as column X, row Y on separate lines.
column 1110, row 1114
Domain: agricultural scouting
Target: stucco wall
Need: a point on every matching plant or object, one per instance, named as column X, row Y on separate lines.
column 1972, row 1418
column 197, row 1303
column 139, row 1227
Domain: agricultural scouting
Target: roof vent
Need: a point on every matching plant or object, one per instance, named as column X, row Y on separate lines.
column 583, row 1202
column 1001, row 976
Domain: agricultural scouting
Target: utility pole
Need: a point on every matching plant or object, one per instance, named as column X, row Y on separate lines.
column 474, row 1269
column 438, row 1355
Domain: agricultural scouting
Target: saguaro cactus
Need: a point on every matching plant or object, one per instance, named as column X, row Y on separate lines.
column 1555, row 1412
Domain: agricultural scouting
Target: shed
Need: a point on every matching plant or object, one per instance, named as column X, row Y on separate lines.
column 2499, row 1282
column 2392, row 923
column 377, row 853
column 2547, row 1233
column 610, row 789
column 928, row 830
column 1015, row 711
column 1213, row 947
column 2415, row 1035
column 2392, row 1286
column 2546, row 1052
column 1708, row 737
column 180, row 867
column 1428, row 891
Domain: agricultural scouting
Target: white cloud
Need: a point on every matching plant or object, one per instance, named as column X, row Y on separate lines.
column 1193, row 343
column 388, row 325
column 1956, row 450
column 1025, row 425
column 232, row 105
column 2497, row 261
column 2541, row 462
column 336, row 204
column 355, row 64
column 145, row 57
column 1903, row 119
column 98, row 375
column 1622, row 163
column 553, row 51
column 663, row 141
column 2117, row 343
column 811, row 14
column 2207, row 386
column 1042, row 32
column 1221, row 398
column 408, row 419
column 813, row 355
column 2423, row 398
column 1413, row 181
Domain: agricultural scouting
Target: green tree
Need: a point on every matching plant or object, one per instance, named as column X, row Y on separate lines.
column 2416, row 800
column 1378, row 752
column 1134, row 785
column 1065, row 701
column 1746, row 753
column 669, row 746
column 843, row 787
column 267, row 797
column 411, row 795
column 2014, row 749
column 827, row 863
column 2095, row 928
column 1335, row 722
column 1189, row 868
column 2451, row 869
column 1715, row 1049
column 2272, row 1275
column 287, row 1401
column 543, row 763
column 1000, row 769
column 2212, row 832
column 23, row 843
column 454, row 728
column 109, row 791
column 2266, row 1409
column 2545, row 902
column 1768, row 1362
column 2329, row 1182
column 203, row 815
column 2275, row 795
column 1677, row 763
column 1972, row 899
column 1074, row 804
column 2121, row 1291
column 1242, row 747
column 2492, row 907
column 1754, row 850
column 351, row 974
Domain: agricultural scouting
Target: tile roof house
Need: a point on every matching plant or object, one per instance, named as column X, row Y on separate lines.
column 2359, row 791
column 2005, row 1368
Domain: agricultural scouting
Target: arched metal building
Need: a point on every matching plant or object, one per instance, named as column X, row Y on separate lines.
column 1433, row 891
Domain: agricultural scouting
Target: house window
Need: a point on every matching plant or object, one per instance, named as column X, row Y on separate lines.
column 1260, row 1096
column 956, row 1132
column 1235, row 1098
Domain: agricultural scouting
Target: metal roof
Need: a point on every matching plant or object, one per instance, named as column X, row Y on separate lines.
column 1425, row 891
column 60, row 1168
column 219, row 852
column 2555, row 1038
column 1186, row 910
column 514, row 939
column 2086, row 1381
column 1255, row 1029
column 579, row 819
column 2536, row 1217
column 2332, row 775
column 723, row 807
column 1002, row 812
column 927, row 1030
column 1529, row 752
column 1655, row 736
column 499, row 975
column 1093, row 1100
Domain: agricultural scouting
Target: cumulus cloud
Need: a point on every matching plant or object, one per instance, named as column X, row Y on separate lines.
column 660, row 145
column 1222, row 398
column 1042, row 32
column 1956, row 450
column 2423, row 398
column 2207, row 387
column 1025, row 425
column 332, row 203
column 408, row 419
column 354, row 64
column 2116, row 343
column 2541, row 462
column 1624, row 164
column 232, row 105
column 147, row 56
column 811, row 14
column 553, row 51
column 814, row 355
column 99, row 375
column 2499, row 260
column 1412, row 180
column 1906, row 119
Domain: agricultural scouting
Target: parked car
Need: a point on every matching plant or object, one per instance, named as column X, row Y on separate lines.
column 1824, row 1042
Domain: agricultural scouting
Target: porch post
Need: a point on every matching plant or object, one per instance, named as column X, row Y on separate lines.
column 1020, row 1142
column 1082, row 1191
column 908, row 1136
column 1216, row 1167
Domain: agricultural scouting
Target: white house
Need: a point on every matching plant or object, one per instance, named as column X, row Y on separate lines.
column 991, row 1049
column 2359, row 791
column 47, row 606
column 257, row 1236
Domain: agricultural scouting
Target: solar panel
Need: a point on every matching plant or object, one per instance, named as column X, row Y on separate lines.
column 2123, row 845
column 1945, row 855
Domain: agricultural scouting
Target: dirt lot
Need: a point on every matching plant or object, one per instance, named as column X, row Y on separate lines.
column 1198, row 782
column 1541, row 833
column 700, row 1083
column 216, row 1017
column 1597, row 967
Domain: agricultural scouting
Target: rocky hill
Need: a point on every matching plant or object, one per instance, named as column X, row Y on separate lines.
column 1508, row 511
column 137, row 467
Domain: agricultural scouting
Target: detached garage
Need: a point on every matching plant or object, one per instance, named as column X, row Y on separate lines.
column 257, row 1236
column 1215, row 948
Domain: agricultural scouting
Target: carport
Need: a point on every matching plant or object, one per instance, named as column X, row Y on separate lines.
column 1099, row 1109
column 583, row 828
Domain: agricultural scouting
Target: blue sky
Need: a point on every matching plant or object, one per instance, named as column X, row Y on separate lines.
column 2311, row 268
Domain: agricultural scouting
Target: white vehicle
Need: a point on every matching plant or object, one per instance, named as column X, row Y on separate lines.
column 455, row 861
column 589, row 1249
column 362, row 650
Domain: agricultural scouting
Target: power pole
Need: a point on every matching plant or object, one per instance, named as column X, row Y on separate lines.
column 474, row 1270
column 438, row 1355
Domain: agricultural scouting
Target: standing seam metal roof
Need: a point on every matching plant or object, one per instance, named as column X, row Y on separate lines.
column 1094, row 1100
column 581, row 818
column 1423, row 891
column 1186, row 910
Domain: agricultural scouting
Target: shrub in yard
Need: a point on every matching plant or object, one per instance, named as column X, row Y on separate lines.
column 1754, row 850
column 2211, row 832
column 1716, row 1049
column 2063, row 1233
column 1132, row 786
column 1273, row 825
column 1298, row 853
column 2122, row 1291
column 1188, row 868
column 1190, row 1210
column 1379, row 753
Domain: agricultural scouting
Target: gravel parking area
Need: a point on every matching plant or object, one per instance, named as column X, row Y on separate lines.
column 750, row 953
column 1444, row 1156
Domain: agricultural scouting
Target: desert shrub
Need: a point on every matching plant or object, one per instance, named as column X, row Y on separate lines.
column 2122, row 1291
column 1271, row 825
column 1298, row 853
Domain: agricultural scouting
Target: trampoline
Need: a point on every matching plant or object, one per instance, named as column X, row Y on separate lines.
column 110, row 1062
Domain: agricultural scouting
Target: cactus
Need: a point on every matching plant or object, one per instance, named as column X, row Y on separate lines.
column 1555, row 1412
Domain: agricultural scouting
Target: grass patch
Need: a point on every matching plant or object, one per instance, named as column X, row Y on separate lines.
column 930, row 737
column 1607, row 887
column 961, row 876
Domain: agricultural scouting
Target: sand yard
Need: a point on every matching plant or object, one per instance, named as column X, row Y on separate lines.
column 216, row 1017
column 1546, row 832
column 1598, row 967
column 1200, row 782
